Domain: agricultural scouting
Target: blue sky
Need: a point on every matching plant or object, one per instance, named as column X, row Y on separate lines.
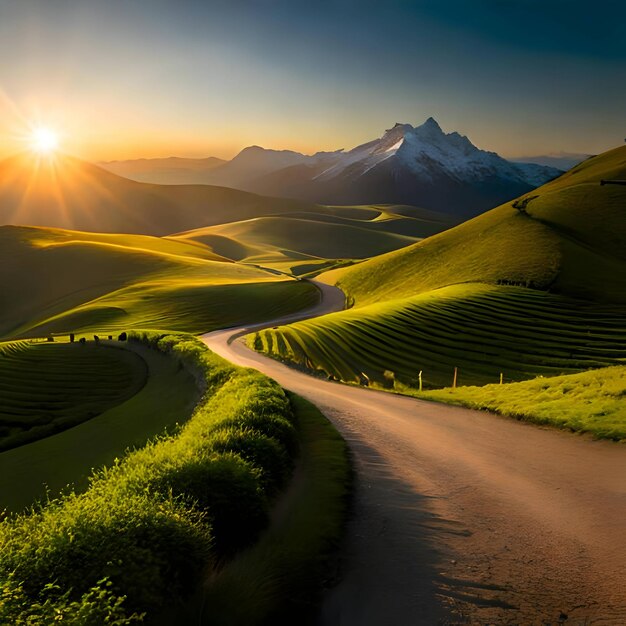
column 130, row 78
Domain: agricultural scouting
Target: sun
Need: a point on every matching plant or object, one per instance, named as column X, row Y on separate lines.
column 44, row 140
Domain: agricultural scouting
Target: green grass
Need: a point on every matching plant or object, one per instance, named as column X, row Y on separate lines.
column 480, row 329
column 589, row 402
column 522, row 293
column 279, row 579
column 102, row 283
column 307, row 239
column 166, row 517
column 47, row 466
column 48, row 387
column 161, row 516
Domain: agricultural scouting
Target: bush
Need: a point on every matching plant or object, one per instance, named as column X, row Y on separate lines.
column 151, row 524
column 99, row 605
column 149, row 549
column 258, row 449
column 229, row 490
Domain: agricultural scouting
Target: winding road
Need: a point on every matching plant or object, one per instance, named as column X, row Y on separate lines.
column 462, row 516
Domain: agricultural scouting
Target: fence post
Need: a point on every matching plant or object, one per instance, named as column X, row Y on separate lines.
column 419, row 376
column 456, row 370
column 501, row 377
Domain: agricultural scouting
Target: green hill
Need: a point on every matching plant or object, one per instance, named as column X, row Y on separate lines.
column 57, row 281
column 570, row 239
column 534, row 290
column 299, row 242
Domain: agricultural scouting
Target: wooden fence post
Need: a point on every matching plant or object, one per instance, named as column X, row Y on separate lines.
column 501, row 377
column 456, row 370
column 419, row 376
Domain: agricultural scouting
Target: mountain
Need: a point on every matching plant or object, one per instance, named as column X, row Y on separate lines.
column 254, row 162
column 65, row 192
column 568, row 236
column 562, row 160
column 166, row 171
column 533, row 287
column 421, row 166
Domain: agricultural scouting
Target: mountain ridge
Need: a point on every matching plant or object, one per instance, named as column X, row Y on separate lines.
column 416, row 165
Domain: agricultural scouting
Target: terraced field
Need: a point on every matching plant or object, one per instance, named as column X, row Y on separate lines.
column 482, row 330
column 534, row 287
column 85, row 405
column 48, row 387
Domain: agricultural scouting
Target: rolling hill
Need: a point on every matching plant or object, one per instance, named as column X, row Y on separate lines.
column 533, row 287
column 65, row 192
column 57, row 281
column 302, row 242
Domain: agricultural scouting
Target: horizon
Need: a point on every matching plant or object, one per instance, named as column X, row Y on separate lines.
column 197, row 79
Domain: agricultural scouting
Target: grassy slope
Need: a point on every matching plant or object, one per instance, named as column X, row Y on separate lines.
column 48, row 387
column 592, row 402
column 437, row 304
column 574, row 234
column 309, row 239
column 106, row 282
column 69, row 456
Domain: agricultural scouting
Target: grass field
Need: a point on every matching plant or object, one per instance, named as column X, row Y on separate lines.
column 149, row 528
column 156, row 396
column 589, row 402
column 308, row 241
column 537, row 291
column 483, row 330
column 103, row 283
column 48, row 387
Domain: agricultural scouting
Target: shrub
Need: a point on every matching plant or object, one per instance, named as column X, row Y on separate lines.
column 99, row 605
column 229, row 490
column 260, row 450
column 150, row 549
column 151, row 524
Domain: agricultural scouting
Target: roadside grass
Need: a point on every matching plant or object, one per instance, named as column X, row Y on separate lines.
column 589, row 402
column 279, row 579
column 481, row 330
column 150, row 527
column 46, row 467
column 48, row 387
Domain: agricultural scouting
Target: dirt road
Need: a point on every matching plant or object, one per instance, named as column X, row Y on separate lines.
column 462, row 516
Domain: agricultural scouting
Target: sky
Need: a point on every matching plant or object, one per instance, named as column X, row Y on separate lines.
column 144, row 78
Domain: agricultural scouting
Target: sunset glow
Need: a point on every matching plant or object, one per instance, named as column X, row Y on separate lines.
column 44, row 140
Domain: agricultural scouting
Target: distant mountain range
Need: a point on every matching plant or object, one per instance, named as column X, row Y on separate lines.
column 561, row 160
column 420, row 166
column 65, row 192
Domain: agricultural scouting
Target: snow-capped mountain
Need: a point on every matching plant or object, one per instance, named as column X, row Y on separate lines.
column 419, row 165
